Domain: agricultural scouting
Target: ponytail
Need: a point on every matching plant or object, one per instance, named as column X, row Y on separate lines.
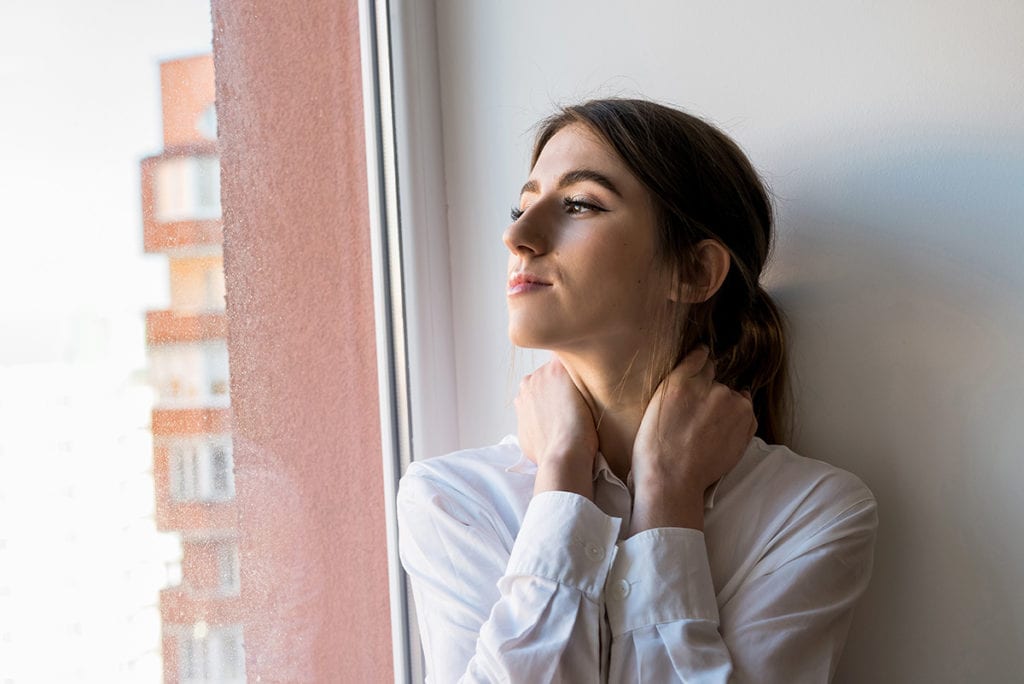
column 757, row 361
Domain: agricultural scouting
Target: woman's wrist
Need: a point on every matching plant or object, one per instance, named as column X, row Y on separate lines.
column 565, row 473
column 657, row 506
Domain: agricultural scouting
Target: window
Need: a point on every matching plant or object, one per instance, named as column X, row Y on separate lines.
column 197, row 281
column 206, row 124
column 211, row 654
column 201, row 468
column 213, row 288
column 215, row 371
column 184, row 471
column 191, row 375
column 228, row 579
column 187, row 189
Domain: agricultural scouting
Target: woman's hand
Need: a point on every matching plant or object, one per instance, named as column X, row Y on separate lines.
column 556, row 431
column 693, row 432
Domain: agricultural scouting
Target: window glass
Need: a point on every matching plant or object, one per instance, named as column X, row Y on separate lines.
column 190, row 374
column 211, row 654
column 119, row 555
column 228, row 577
column 200, row 468
column 187, row 188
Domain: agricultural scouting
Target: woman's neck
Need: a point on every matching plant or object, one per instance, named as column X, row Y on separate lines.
column 615, row 394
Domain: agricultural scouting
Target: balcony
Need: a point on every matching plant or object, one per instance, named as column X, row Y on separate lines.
column 191, row 421
column 164, row 327
column 181, row 201
column 193, row 516
column 178, row 606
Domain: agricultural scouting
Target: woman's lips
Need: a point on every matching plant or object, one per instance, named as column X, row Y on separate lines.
column 520, row 283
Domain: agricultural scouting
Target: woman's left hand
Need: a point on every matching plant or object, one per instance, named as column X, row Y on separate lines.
column 693, row 432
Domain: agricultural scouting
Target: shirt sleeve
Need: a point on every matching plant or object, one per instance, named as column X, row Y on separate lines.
column 787, row 622
column 491, row 609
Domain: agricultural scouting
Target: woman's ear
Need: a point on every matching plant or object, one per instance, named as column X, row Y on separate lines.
column 714, row 262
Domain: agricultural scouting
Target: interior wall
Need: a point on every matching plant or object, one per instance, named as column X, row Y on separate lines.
column 892, row 138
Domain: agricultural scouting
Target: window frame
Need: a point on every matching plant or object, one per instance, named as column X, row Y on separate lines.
column 409, row 239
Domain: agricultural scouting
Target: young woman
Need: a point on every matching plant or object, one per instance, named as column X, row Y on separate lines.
column 644, row 526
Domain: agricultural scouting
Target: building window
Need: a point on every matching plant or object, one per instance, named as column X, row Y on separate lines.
column 206, row 123
column 215, row 370
column 228, row 577
column 184, row 464
column 213, row 288
column 191, row 375
column 187, row 189
column 211, row 654
column 201, row 468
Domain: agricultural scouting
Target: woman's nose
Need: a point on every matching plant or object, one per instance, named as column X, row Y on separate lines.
column 525, row 235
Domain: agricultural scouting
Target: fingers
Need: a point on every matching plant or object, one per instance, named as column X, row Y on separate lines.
column 552, row 368
column 695, row 362
column 696, row 371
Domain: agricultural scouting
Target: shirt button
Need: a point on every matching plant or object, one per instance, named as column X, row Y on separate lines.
column 595, row 552
column 620, row 589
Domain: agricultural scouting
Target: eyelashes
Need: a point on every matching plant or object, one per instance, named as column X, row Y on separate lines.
column 571, row 205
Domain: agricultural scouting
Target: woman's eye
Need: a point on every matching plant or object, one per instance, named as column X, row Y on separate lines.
column 516, row 213
column 578, row 206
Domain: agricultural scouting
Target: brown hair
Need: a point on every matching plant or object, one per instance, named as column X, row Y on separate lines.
column 703, row 187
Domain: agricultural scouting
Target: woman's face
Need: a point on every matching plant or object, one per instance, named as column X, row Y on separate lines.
column 582, row 269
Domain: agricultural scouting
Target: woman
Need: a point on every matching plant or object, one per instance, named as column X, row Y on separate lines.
column 643, row 527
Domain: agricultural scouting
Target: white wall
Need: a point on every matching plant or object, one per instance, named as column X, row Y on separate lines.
column 893, row 137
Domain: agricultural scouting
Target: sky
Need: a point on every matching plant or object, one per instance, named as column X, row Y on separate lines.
column 81, row 95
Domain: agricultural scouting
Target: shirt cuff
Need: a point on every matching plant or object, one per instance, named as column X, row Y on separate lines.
column 660, row 576
column 567, row 539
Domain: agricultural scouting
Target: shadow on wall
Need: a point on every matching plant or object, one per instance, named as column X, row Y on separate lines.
column 901, row 276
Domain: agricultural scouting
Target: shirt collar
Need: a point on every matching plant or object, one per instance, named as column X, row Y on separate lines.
column 739, row 471
column 603, row 470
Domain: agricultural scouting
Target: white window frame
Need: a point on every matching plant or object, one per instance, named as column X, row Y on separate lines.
column 405, row 170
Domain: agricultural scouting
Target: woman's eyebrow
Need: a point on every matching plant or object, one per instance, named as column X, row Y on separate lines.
column 575, row 176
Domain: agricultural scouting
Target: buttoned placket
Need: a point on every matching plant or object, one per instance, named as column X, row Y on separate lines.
column 615, row 499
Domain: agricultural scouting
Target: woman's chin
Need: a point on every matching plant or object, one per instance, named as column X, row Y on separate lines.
column 529, row 339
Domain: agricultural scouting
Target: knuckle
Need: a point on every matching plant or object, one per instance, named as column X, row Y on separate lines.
column 720, row 390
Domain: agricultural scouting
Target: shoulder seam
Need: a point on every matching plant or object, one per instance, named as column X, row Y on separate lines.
column 845, row 513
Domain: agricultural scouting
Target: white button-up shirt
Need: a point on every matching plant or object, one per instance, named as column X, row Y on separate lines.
column 511, row 587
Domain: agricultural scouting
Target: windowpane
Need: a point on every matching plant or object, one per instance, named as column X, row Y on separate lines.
column 187, row 189
column 118, row 551
column 200, row 468
column 209, row 654
column 228, row 577
column 190, row 374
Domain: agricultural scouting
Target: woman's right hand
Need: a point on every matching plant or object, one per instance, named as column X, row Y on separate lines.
column 557, row 431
